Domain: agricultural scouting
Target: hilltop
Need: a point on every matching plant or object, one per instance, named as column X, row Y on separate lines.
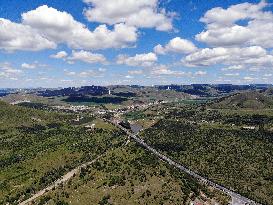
column 249, row 100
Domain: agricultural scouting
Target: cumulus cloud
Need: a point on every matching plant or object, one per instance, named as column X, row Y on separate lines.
column 239, row 38
column 102, row 70
column 249, row 79
column 135, row 72
column 200, row 73
column 233, row 67
column 82, row 55
column 129, row 77
column 145, row 60
column 69, row 73
column 232, row 74
column 250, row 56
column 14, row 36
column 141, row 13
column 224, row 27
column 84, row 74
column 61, row 27
column 176, row 45
column 165, row 70
column 87, row 57
column 59, row 55
column 46, row 27
column 268, row 75
column 29, row 66
column 7, row 71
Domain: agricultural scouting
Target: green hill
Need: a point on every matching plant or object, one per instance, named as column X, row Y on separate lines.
column 238, row 159
column 249, row 100
column 39, row 147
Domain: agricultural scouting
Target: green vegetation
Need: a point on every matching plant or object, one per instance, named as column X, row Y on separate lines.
column 228, row 140
column 32, row 98
column 235, row 158
column 135, row 115
column 251, row 99
column 38, row 147
column 130, row 175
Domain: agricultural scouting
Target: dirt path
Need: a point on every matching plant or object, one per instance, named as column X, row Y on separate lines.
column 63, row 179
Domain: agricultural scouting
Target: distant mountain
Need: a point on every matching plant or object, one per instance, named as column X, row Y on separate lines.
column 213, row 90
column 249, row 99
column 72, row 91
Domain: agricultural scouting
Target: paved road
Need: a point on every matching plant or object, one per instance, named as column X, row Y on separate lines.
column 237, row 199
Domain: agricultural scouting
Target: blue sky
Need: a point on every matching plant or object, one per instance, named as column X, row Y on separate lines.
column 72, row 43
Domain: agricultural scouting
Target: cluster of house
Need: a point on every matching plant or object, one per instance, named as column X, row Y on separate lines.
column 137, row 106
column 19, row 102
column 74, row 108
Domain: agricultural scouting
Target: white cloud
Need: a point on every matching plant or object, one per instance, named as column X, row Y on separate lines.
column 200, row 73
column 102, row 69
column 135, row 72
column 233, row 67
column 14, row 36
column 176, row 45
column 61, row 27
column 87, row 57
column 254, row 69
column 129, row 77
column 268, row 75
column 206, row 56
column 84, row 56
column 7, row 71
column 29, row 66
column 247, row 56
column 33, row 65
column 46, row 27
column 223, row 26
column 69, row 73
column 248, row 78
column 85, row 73
column 165, row 70
column 59, row 55
column 140, row 13
column 232, row 74
column 159, row 49
column 146, row 59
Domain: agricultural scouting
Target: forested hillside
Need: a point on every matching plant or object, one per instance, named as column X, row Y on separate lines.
column 238, row 159
column 250, row 100
column 38, row 147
